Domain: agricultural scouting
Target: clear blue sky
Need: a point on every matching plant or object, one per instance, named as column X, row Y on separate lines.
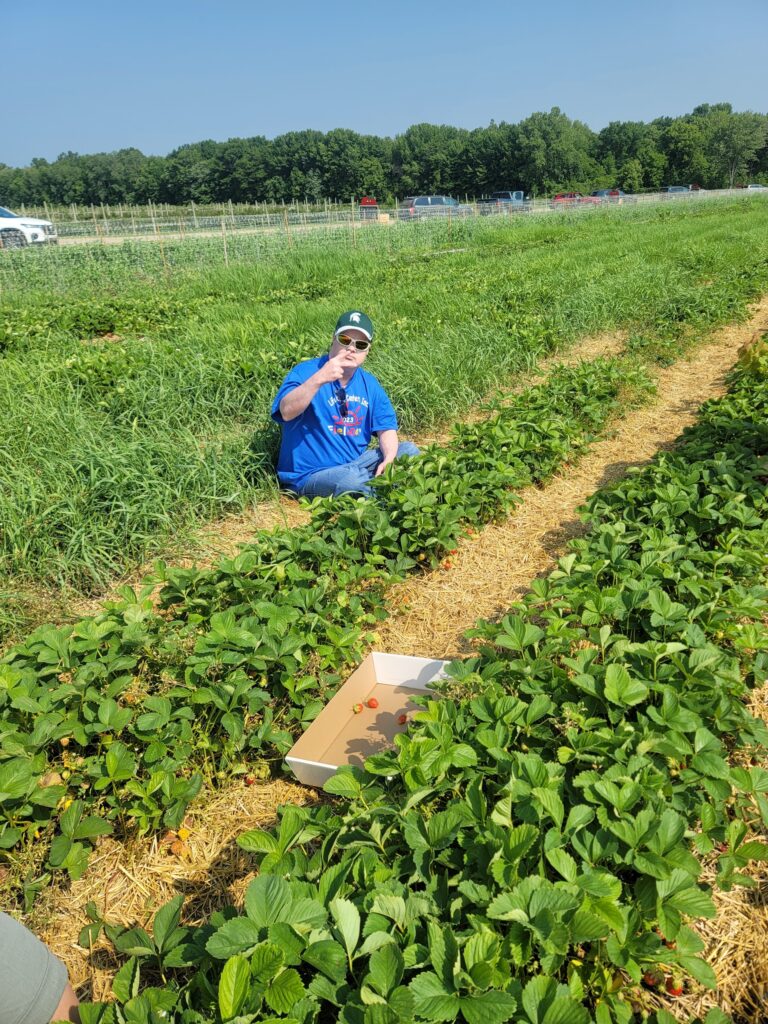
column 94, row 76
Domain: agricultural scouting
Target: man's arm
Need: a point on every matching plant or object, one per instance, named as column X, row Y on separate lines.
column 388, row 443
column 297, row 400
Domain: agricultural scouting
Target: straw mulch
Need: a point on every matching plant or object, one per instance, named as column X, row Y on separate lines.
column 128, row 882
column 494, row 569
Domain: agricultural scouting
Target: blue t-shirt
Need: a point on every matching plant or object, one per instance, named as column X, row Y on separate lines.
column 321, row 437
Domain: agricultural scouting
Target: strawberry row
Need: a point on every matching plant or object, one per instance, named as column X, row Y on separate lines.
column 533, row 848
column 117, row 719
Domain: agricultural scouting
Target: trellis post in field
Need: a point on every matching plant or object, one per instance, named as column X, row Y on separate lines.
column 224, row 237
column 166, row 267
column 194, row 215
column 95, row 222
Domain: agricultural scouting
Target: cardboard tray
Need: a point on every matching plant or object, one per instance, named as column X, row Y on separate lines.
column 338, row 736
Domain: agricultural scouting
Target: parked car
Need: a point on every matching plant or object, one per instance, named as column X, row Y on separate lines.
column 669, row 189
column 416, row 207
column 17, row 231
column 608, row 195
column 757, row 188
column 503, row 202
column 563, row 200
column 369, row 208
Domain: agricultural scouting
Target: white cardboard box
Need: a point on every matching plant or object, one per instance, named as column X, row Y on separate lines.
column 338, row 736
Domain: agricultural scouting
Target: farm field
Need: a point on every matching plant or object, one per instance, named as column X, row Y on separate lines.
column 137, row 379
column 541, row 842
column 113, row 224
column 591, row 611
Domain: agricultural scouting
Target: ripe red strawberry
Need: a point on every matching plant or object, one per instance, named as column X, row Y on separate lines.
column 673, row 986
column 250, row 780
column 403, row 719
column 372, row 702
column 651, row 979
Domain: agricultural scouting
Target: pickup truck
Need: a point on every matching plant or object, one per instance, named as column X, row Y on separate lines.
column 503, row 202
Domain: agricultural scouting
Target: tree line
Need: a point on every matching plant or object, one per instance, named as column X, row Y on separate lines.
column 713, row 147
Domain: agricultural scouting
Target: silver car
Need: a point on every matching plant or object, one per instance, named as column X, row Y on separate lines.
column 416, row 207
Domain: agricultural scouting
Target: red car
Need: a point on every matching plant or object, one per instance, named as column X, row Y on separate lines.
column 565, row 199
column 369, row 208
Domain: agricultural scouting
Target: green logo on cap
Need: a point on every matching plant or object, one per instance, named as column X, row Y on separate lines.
column 355, row 318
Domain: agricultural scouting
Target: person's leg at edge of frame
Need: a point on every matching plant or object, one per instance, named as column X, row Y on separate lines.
column 68, row 1008
column 33, row 982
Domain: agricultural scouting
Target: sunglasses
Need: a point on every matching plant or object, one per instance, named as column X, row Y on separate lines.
column 360, row 344
column 343, row 407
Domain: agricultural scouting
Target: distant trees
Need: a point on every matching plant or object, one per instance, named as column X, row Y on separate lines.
column 734, row 142
column 713, row 146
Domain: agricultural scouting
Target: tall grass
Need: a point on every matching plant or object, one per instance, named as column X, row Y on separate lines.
column 136, row 380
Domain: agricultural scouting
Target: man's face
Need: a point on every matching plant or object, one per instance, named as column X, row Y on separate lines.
column 346, row 342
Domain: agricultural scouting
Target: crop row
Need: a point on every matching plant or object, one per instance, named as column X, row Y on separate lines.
column 532, row 848
column 135, row 405
column 118, row 719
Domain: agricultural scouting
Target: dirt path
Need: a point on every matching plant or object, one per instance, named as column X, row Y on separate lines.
column 128, row 883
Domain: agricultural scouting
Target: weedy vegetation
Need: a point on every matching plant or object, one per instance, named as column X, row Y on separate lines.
column 136, row 380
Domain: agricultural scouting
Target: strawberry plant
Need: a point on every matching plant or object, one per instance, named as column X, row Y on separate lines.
column 132, row 706
column 531, row 848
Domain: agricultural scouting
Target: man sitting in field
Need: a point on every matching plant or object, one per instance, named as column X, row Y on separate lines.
column 329, row 408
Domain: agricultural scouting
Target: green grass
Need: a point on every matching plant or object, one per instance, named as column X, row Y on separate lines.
column 111, row 447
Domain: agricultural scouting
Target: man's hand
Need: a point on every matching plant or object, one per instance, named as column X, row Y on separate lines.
column 296, row 401
column 388, row 443
column 336, row 367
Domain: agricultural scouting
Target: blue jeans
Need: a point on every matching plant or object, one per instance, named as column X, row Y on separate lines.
column 350, row 476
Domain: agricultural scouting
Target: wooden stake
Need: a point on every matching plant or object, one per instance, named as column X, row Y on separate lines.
column 224, row 236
